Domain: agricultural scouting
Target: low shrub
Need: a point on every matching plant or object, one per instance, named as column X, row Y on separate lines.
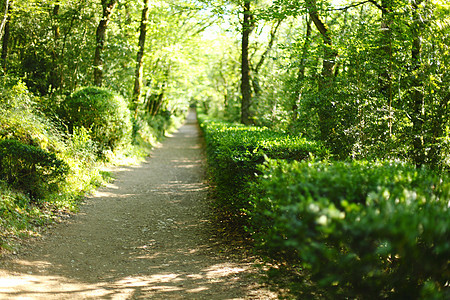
column 234, row 153
column 100, row 111
column 30, row 169
column 21, row 121
column 362, row 230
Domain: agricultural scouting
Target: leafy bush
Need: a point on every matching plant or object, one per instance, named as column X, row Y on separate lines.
column 101, row 112
column 30, row 169
column 14, row 94
column 21, row 121
column 235, row 151
column 363, row 230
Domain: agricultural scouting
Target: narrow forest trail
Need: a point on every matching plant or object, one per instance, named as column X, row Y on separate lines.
column 145, row 236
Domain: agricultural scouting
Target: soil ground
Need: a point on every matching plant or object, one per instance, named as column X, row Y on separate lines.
column 148, row 235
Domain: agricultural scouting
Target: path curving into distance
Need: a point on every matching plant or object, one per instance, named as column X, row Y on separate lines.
column 145, row 236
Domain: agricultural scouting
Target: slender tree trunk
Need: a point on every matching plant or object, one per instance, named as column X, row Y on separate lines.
column 61, row 55
column 155, row 100
column 108, row 7
column 6, row 34
column 301, row 70
column 5, row 18
column 55, row 78
column 386, row 52
column 245, row 65
column 139, row 59
column 325, row 110
column 417, row 96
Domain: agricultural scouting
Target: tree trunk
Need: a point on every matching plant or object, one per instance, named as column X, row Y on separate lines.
column 5, row 18
column 417, row 96
column 325, row 109
column 301, row 70
column 245, row 65
column 55, row 78
column 108, row 7
column 139, row 59
column 386, row 52
column 6, row 34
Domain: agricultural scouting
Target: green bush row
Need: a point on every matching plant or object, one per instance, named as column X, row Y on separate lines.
column 234, row 153
column 362, row 230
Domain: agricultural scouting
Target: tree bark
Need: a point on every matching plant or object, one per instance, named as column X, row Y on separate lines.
column 385, row 79
column 5, row 18
column 6, row 34
column 108, row 7
column 245, row 65
column 55, row 73
column 139, row 59
column 386, row 47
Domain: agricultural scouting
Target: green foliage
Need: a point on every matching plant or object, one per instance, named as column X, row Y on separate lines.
column 104, row 114
column 21, row 121
column 81, row 147
column 40, row 171
column 30, row 169
column 363, row 230
column 235, row 151
column 17, row 216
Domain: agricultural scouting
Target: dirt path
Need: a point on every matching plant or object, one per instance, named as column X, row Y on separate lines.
column 146, row 236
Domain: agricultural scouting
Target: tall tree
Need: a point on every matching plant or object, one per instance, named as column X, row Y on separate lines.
column 108, row 7
column 5, row 18
column 5, row 33
column 55, row 74
column 139, row 58
column 417, row 96
column 246, row 89
column 301, row 69
column 325, row 110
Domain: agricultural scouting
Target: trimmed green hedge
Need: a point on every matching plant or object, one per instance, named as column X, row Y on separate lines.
column 363, row 230
column 234, row 153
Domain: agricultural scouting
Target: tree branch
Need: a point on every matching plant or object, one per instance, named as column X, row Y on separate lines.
column 350, row 6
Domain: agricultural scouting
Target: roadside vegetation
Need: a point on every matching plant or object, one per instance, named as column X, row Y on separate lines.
column 79, row 91
column 351, row 229
column 329, row 151
column 49, row 162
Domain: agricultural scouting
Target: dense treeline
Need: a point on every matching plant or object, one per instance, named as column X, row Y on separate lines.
column 368, row 78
